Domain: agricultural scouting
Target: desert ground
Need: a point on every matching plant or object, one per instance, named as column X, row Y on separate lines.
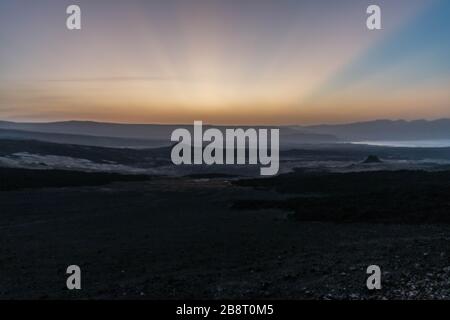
column 185, row 238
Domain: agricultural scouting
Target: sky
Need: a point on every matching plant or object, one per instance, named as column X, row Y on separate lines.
column 224, row 61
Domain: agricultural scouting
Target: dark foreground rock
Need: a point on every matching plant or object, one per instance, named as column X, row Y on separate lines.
column 179, row 239
column 372, row 159
column 14, row 179
column 410, row 197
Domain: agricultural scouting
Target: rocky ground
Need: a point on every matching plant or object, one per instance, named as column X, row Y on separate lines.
column 180, row 238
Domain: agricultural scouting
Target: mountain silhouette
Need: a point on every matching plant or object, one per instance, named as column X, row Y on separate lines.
column 386, row 130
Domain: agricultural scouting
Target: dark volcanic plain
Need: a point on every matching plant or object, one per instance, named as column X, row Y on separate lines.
column 292, row 236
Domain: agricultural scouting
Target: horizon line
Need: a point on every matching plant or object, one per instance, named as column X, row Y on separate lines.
column 223, row 125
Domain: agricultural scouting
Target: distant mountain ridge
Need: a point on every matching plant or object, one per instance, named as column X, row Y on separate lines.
column 92, row 128
column 102, row 134
column 389, row 130
column 81, row 140
column 386, row 130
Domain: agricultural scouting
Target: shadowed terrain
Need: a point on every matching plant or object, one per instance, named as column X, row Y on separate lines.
column 308, row 233
column 388, row 197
